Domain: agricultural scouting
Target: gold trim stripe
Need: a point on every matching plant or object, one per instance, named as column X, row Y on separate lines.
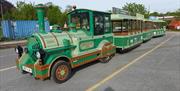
column 85, row 55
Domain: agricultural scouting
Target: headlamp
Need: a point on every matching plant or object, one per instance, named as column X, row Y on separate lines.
column 38, row 55
column 16, row 50
column 26, row 50
column 19, row 50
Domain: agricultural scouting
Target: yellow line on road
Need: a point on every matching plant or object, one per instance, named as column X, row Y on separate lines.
column 126, row 66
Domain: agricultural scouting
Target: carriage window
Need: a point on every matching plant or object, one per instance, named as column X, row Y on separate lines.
column 128, row 24
column 159, row 25
column 121, row 26
column 107, row 24
column 141, row 25
column 133, row 25
column 125, row 25
column 98, row 24
column 117, row 26
column 81, row 20
column 148, row 25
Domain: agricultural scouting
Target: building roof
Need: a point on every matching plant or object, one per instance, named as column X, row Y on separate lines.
column 157, row 21
column 6, row 5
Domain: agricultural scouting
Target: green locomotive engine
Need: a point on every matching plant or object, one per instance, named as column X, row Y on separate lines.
column 54, row 54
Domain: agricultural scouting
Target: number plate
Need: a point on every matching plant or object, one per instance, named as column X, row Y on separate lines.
column 27, row 69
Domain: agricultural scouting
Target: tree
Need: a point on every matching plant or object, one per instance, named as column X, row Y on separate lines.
column 24, row 11
column 53, row 13
column 69, row 8
column 175, row 13
column 134, row 8
column 154, row 14
column 27, row 11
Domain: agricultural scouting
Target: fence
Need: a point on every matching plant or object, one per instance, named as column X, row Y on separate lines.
column 21, row 28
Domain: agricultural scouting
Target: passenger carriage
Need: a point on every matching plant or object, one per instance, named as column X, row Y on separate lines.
column 159, row 28
column 127, row 31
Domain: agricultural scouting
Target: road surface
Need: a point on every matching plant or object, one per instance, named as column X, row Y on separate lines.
column 153, row 66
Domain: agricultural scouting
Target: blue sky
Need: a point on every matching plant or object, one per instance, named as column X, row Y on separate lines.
column 102, row 5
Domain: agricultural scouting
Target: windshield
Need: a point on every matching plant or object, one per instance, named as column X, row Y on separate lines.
column 81, row 20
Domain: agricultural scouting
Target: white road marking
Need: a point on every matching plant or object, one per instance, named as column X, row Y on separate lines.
column 8, row 68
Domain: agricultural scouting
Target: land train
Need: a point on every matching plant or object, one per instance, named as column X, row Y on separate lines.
column 89, row 37
column 131, row 31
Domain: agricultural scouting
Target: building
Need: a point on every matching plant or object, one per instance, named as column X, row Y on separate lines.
column 174, row 24
column 5, row 6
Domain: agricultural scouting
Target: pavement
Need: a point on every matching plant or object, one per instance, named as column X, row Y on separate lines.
column 12, row 44
column 153, row 66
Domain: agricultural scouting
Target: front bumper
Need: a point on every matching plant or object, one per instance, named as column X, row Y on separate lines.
column 26, row 64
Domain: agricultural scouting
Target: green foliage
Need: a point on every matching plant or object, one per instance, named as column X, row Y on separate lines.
column 175, row 13
column 23, row 11
column 55, row 16
column 154, row 14
column 134, row 8
column 27, row 11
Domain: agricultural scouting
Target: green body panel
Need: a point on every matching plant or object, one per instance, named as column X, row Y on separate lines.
column 84, row 59
column 125, row 42
column 43, row 72
column 94, row 42
column 57, row 54
column 147, row 35
column 26, row 59
column 158, row 32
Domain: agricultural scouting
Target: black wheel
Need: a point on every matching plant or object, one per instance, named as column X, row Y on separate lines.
column 24, row 72
column 105, row 59
column 36, row 78
column 120, row 50
column 61, row 72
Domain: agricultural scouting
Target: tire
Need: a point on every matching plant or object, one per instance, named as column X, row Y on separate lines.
column 61, row 72
column 24, row 72
column 106, row 59
column 120, row 50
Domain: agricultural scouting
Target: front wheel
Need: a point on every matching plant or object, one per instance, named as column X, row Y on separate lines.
column 61, row 72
